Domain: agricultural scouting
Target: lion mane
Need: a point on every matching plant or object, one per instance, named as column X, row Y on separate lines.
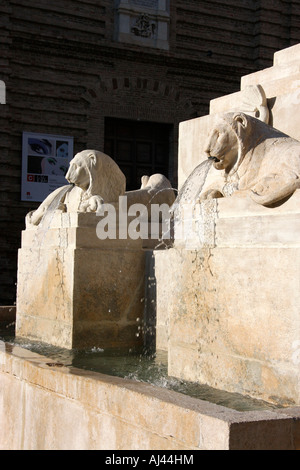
column 106, row 178
column 102, row 180
column 254, row 159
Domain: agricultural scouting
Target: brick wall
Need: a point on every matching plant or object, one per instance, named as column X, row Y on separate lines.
column 65, row 73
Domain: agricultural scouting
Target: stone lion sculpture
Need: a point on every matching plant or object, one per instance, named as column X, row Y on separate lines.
column 155, row 189
column 254, row 159
column 95, row 178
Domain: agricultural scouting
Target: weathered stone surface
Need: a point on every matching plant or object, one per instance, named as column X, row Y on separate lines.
column 75, row 290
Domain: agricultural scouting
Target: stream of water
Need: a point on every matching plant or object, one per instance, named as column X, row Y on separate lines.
column 191, row 189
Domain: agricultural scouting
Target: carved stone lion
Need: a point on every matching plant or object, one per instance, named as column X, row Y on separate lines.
column 155, row 189
column 95, row 178
column 254, row 158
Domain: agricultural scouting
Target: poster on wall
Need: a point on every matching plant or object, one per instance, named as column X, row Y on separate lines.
column 45, row 161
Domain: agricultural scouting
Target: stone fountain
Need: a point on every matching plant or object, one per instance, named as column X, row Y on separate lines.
column 226, row 286
column 232, row 288
column 81, row 277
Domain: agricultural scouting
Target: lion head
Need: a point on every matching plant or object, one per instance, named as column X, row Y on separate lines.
column 97, row 175
column 233, row 136
column 224, row 144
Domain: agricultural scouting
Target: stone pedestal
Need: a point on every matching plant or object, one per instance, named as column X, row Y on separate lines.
column 231, row 304
column 229, row 311
column 77, row 291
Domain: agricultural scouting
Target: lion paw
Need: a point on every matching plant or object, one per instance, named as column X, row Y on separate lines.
column 93, row 204
column 210, row 194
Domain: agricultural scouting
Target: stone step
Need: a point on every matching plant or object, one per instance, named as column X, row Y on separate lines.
column 271, row 74
column 272, row 89
column 286, row 56
column 282, row 78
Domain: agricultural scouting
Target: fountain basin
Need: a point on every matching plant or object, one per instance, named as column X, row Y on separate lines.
column 47, row 406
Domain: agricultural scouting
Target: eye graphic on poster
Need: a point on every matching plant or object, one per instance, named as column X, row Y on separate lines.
column 62, row 149
column 45, row 161
column 39, row 146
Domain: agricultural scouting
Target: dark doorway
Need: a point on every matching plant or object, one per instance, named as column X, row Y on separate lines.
column 139, row 148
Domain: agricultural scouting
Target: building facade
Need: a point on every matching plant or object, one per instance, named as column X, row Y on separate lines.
column 119, row 76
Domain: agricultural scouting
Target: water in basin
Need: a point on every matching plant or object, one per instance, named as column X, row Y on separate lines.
column 146, row 367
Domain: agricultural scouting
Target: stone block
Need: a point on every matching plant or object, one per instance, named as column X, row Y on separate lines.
column 233, row 296
column 233, row 305
column 75, row 290
column 288, row 55
column 143, row 23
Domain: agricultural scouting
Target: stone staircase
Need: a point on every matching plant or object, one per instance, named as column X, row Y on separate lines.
column 280, row 85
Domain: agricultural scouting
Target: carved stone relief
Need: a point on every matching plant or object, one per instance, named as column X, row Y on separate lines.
column 144, row 27
column 143, row 22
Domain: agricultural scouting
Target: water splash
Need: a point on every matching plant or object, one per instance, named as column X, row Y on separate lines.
column 165, row 241
column 187, row 198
